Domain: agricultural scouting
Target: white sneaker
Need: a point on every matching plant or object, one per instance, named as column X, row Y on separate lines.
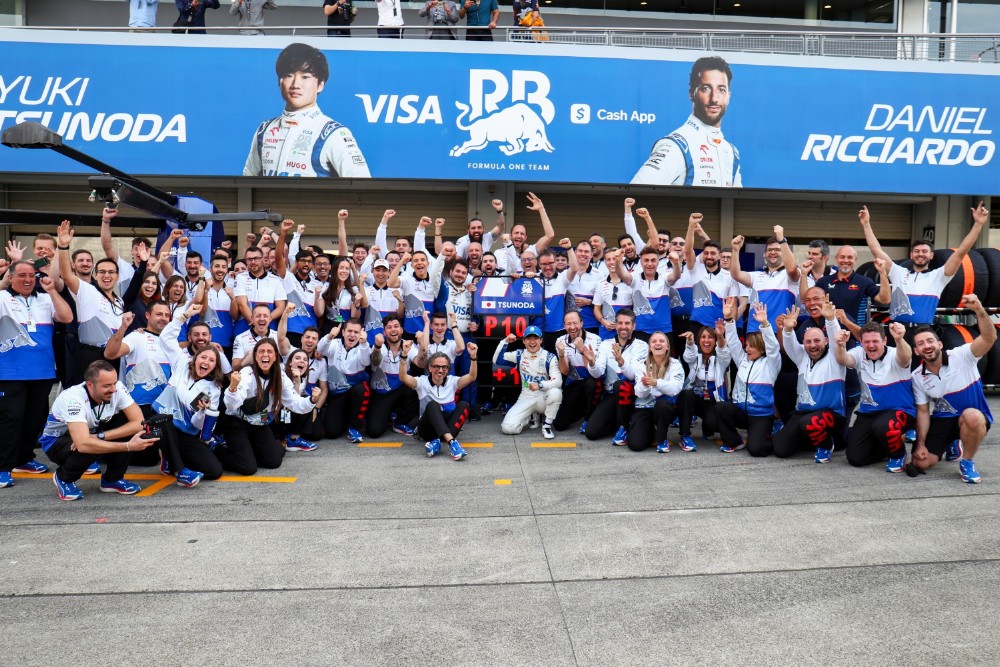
column 547, row 431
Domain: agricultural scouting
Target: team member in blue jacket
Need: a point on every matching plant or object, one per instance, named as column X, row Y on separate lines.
column 752, row 403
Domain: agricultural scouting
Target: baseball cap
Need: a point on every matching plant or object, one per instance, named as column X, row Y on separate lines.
column 380, row 264
column 532, row 331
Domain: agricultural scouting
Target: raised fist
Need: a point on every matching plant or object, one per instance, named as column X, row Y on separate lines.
column 342, row 214
column 497, row 205
column 127, row 318
column 379, row 340
column 389, row 214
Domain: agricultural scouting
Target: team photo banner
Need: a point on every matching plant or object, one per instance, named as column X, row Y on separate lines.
column 413, row 109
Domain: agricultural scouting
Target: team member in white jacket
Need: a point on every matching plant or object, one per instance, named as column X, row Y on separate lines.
column 614, row 365
column 659, row 378
column 257, row 395
column 708, row 361
column 819, row 406
column 190, row 399
column 541, row 382
column 581, row 391
column 752, row 404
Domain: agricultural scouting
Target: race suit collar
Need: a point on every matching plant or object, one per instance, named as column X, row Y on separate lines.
column 713, row 133
column 300, row 116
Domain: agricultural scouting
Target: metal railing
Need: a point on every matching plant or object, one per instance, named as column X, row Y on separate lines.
column 890, row 46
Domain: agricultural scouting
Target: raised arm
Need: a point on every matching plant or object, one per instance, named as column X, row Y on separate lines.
column 381, row 232
column 342, row 248
column 987, row 332
column 107, row 245
column 404, row 377
column 548, row 234
column 630, row 227
column 865, row 218
column 61, row 312
column 787, row 256
column 498, row 228
column 63, row 243
column 903, row 352
column 840, row 349
column 694, row 222
column 980, row 216
column 470, row 377
column 281, row 262
column 116, row 348
column 735, row 270
column 652, row 235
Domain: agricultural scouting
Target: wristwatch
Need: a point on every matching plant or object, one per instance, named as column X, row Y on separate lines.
column 100, row 435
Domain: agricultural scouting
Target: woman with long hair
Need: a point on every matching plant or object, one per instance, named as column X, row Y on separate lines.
column 175, row 293
column 141, row 293
column 659, row 378
column 708, row 360
column 306, row 373
column 191, row 400
column 257, row 395
column 752, row 403
column 342, row 299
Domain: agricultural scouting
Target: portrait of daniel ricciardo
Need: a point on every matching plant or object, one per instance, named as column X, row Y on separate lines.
column 302, row 141
column 696, row 153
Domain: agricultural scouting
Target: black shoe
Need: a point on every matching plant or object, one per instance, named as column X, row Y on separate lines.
column 474, row 415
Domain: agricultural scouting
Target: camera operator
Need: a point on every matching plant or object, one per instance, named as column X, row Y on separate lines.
column 440, row 14
column 92, row 419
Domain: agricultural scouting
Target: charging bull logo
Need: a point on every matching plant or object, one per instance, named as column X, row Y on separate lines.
column 518, row 127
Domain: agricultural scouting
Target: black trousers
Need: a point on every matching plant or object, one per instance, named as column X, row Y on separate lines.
column 579, row 400
column 192, row 453
column 24, row 406
column 478, row 35
column 649, row 425
column 434, row 423
column 402, row 400
column 807, row 431
column 248, row 447
column 690, row 404
column 730, row 417
column 877, row 436
column 73, row 464
column 614, row 410
column 303, row 426
column 347, row 410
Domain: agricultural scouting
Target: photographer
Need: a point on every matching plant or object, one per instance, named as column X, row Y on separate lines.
column 440, row 14
column 482, row 17
column 92, row 419
column 339, row 15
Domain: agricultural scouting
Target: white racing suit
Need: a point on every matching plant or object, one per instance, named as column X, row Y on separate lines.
column 693, row 154
column 540, row 367
column 305, row 143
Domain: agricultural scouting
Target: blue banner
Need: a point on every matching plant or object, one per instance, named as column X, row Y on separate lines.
column 360, row 108
column 503, row 296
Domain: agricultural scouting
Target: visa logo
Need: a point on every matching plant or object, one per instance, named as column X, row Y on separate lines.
column 401, row 109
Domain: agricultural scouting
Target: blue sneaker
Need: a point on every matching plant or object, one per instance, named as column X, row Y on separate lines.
column 188, row 478
column 953, row 453
column 621, row 437
column 457, row 453
column 969, row 473
column 663, row 447
column 687, row 443
column 583, row 427
column 896, row 465
column 694, row 420
column 66, row 490
column 823, row 455
column 214, row 442
column 354, row 436
column 778, row 425
column 486, row 408
column 94, row 469
column 676, row 421
column 121, row 486
column 403, row 429
column 299, row 445
column 33, row 467
column 433, row 447
column 910, row 436
column 506, row 408
column 6, row 479
column 165, row 465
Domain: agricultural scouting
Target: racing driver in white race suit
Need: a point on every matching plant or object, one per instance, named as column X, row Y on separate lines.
column 303, row 141
column 696, row 153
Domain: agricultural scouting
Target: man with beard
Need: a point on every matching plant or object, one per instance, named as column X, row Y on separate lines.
column 886, row 410
column 347, row 358
column 952, row 414
column 222, row 308
column 614, row 357
column 27, row 366
column 696, row 153
column 392, row 403
column 710, row 284
column 598, row 244
column 145, row 366
column 516, row 246
column 916, row 291
column 819, row 408
column 476, row 231
column 257, row 287
column 300, row 287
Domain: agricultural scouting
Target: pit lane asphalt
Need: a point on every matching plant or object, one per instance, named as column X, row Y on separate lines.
column 587, row 555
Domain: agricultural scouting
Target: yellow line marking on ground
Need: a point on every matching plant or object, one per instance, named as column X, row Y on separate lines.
column 554, row 445
column 270, row 480
column 503, row 482
column 388, row 445
column 477, row 445
column 156, row 487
